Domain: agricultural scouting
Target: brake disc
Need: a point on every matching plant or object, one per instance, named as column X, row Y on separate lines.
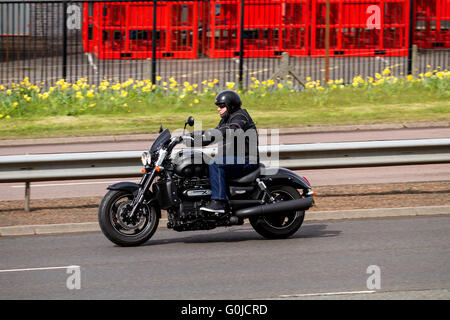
column 126, row 222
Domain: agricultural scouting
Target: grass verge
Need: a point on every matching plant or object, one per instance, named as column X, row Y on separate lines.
column 79, row 109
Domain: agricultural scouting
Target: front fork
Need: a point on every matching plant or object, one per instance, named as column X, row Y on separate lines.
column 145, row 183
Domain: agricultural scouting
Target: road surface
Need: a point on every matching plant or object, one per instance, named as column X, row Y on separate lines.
column 394, row 258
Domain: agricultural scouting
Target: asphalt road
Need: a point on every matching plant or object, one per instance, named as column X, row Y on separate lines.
column 419, row 173
column 407, row 258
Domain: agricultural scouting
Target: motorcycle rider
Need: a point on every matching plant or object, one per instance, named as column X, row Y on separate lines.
column 238, row 154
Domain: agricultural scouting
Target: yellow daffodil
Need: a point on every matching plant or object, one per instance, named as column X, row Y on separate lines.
column 230, row 85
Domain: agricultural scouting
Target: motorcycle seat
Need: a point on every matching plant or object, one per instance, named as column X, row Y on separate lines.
column 248, row 178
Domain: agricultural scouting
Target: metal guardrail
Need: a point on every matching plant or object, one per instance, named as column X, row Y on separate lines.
column 99, row 165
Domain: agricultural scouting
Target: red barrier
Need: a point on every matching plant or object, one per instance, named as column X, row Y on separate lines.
column 361, row 27
column 432, row 24
column 270, row 28
column 87, row 26
column 124, row 30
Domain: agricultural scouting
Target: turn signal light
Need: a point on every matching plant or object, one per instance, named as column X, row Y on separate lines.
column 157, row 169
column 143, row 170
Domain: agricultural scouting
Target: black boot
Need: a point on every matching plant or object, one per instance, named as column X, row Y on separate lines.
column 215, row 206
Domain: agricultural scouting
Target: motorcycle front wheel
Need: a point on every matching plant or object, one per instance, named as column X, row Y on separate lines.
column 118, row 227
column 280, row 225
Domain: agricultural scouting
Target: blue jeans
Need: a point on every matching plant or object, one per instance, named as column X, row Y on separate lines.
column 228, row 168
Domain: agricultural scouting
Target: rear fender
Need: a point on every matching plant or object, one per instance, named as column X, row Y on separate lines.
column 282, row 176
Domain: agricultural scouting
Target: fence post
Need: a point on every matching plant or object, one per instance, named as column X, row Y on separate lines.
column 154, row 35
column 241, row 46
column 414, row 61
column 327, row 42
column 64, row 34
column 410, row 37
column 27, row 196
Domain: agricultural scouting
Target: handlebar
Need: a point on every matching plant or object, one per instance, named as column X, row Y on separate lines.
column 176, row 140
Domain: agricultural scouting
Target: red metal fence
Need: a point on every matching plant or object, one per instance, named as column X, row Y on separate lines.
column 270, row 27
column 432, row 21
column 124, row 30
column 361, row 27
column 264, row 28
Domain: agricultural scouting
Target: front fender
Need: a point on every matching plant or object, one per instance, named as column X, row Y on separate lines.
column 125, row 186
column 272, row 176
column 133, row 188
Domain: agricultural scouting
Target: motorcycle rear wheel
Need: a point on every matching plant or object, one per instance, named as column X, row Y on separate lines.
column 113, row 223
column 280, row 225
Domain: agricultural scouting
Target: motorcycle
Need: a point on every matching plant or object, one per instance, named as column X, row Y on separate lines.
column 273, row 199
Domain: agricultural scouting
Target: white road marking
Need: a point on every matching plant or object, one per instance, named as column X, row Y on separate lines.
column 37, row 269
column 324, row 294
column 65, row 184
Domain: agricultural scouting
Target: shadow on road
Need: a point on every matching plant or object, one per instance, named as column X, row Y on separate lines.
column 246, row 234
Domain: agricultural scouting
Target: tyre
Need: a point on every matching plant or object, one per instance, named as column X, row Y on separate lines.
column 118, row 228
column 280, row 225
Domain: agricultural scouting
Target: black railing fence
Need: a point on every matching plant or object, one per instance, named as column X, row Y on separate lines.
column 227, row 40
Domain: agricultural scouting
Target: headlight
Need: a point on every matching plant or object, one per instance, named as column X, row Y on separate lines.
column 145, row 158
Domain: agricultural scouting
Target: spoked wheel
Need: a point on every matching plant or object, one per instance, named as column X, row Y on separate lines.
column 118, row 227
column 279, row 225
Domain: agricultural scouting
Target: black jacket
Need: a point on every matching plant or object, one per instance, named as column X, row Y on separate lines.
column 236, row 135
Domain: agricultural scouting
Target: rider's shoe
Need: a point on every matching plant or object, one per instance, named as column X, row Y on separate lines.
column 215, row 206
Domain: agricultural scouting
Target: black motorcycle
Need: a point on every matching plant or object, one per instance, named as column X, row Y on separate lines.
column 274, row 200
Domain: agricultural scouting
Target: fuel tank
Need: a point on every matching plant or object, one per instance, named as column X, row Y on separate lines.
column 191, row 163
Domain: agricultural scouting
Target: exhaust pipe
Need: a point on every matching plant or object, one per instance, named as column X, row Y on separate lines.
column 291, row 205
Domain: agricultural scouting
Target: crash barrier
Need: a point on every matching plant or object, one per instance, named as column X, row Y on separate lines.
column 121, row 164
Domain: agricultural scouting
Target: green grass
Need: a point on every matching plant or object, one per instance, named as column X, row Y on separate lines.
column 24, row 113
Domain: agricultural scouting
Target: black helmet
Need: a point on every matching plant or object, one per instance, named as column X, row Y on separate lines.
column 229, row 99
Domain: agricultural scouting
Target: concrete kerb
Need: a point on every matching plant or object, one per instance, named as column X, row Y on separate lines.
column 316, row 216
column 283, row 131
